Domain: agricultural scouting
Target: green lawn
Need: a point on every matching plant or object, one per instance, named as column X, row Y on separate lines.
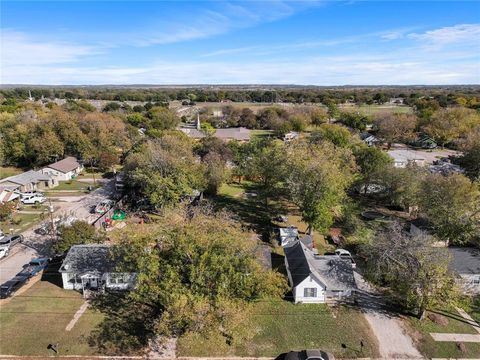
column 252, row 211
column 33, row 320
column 273, row 328
column 21, row 222
column 375, row 109
column 73, row 185
column 9, row 171
column 262, row 133
column 421, row 332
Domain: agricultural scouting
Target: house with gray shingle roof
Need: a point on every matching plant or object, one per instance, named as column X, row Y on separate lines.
column 91, row 267
column 28, row 181
column 465, row 264
column 64, row 170
column 317, row 278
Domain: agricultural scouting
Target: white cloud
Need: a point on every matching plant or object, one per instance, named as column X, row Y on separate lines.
column 317, row 71
column 458, row 34
column 19, row 49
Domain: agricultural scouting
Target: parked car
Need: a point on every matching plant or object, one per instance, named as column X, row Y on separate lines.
column 34, row 267
column 11, row 286
column 27, row 194
column 2, row 235
column 103, row 206
column 345, row 254
column 11, row 240
column 34, row 199
column 312, row 354
column 4, row 250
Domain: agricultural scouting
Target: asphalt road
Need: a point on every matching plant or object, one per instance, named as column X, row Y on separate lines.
column 35, row 245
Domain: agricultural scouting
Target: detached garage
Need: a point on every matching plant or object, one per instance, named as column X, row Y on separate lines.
column 64, row 170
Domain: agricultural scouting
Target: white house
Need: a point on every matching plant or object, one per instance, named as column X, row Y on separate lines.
column 465, row 264
column 369, row 139
column 316, row 278
column 90, row 267
column 64, row 170
column 403, row 157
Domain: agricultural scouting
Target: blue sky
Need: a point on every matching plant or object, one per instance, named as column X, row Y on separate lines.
column 274, row 42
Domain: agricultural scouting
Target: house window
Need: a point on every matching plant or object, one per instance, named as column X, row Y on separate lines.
column 73, row 278
column 476, row 280
column 117, row 278
column 310, row 292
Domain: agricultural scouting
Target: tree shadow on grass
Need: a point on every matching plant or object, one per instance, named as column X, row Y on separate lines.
column 51, row 273
column 250, row 212
column 126, row 328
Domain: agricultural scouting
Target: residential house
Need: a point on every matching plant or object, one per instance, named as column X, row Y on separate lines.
column 91, row 267
column 425, row 142
column 8, row 193
column 28, row 181
column 318, row 278
column 403, row 157
column 64, row 170
column 369, row 139
column 465, row 264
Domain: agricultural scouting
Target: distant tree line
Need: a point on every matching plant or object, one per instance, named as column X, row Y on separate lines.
column 413, row 96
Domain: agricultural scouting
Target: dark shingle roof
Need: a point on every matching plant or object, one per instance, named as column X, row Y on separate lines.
column 332, row 271
column 68, row 164
column 297, row 263
column 465, row 260
column 88, row 258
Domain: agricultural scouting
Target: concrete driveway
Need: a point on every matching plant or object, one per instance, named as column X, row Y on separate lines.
column 36, row 245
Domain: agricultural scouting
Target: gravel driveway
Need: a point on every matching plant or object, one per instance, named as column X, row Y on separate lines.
column 393, row 341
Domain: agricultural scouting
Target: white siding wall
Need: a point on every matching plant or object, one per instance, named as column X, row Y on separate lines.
column 59, row 176
column 310, row 282
column 69, row 285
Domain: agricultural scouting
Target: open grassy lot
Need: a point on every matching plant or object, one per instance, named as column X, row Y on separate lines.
column 31, row 321
column 6, row 171
column 73, row 185
column 253, row 212
column 376, row 109
column 21, row 222
column 421, row 330
column 276, row 327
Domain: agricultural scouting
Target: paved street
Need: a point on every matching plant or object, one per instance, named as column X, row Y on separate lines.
column 36, row 245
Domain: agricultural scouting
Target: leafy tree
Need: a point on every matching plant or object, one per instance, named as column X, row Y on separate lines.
column 6, row 211
column 111, row 106
column 452, row 204
column 316, row 177
column 196, row 273
column 448, row 125
column 164, row 170
column 336, row 134
column 215, row 173
column 78, row 233
column 394, row 127
column 247, row 119
column 403, row 186
column 356, row 121
column 162, row 118
column 415, row 271
column 318, row 116
column 372, row 162
column 470, row 160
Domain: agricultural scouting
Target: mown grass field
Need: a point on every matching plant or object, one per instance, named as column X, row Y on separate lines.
column 6, row 171
column 376, row 109
column 276, row 327
column 36, row 318
column 21, row 222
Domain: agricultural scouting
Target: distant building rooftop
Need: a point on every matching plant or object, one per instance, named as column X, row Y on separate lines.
column 68, row 164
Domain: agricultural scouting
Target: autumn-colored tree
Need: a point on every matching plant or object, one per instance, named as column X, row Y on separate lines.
column 394, row 127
